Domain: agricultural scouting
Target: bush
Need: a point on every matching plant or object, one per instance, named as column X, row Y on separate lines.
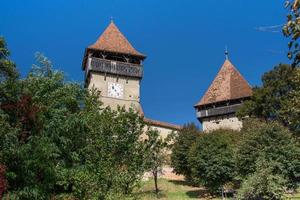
column 262, row 184
column 272, row 143
column 211, row 159
column 183, row 141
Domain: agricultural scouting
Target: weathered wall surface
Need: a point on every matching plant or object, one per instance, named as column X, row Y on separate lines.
column 164, row 132
column 224, row 122
column 131, row 92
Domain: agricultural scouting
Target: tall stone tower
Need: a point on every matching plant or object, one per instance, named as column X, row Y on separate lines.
column 225, row 95
column 115, row 68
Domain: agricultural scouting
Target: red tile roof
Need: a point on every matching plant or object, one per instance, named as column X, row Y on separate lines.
column 229, row 84
column 113, row 40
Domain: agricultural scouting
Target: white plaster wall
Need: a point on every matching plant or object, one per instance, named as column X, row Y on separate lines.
column 221, row 122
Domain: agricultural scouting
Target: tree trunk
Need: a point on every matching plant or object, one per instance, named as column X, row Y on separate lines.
column 223, row 193
column 155, row 181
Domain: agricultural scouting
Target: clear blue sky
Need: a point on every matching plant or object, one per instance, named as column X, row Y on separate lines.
column 184, row 42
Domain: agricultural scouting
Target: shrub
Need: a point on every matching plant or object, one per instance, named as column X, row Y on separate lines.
column 272, row 143
column 183, row 141
column 262, row 184
column 211, row 159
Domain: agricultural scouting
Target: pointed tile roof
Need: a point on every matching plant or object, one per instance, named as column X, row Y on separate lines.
column 114, row 41
column 229, row 84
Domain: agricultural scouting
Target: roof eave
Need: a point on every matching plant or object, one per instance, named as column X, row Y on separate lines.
column 126, row 53
column 204, row 104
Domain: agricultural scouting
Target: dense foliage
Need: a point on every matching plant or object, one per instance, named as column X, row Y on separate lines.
column 262, row 184
column 292, row 30
column 182, row 143
column 57, row 142
column 210, row 159
column 278, row 98
column 272, row 145
column 263, row 157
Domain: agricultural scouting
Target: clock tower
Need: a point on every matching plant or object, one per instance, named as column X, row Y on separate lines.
column 114, row 67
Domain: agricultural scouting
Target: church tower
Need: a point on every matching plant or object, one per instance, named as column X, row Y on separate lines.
column 115, row 68
column 225, row 95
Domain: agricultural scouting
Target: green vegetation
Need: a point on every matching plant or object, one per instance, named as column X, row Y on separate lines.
column 262, row 184
column 56, row 141
column 277, row 99
column 181, row 190
column 262, row 161
column 183, row 141
column 156, row 157
column 269, row 146
column 210, row 159
column 172, row 190
column 292, row 30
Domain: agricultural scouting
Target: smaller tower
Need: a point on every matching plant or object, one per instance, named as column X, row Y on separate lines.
column 225, row 95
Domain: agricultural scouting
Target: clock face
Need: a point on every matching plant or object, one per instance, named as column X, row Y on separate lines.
column 115, row 90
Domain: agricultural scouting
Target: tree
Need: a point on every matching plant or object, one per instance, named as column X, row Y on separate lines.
column 292, row 30
column 8, row 75
column 262, row 184
column 3, row 181
column 56, row 141
column 277, row 99
column 156, row 155
column 273, row 144
column 7, row 67
column 210, row 159
column 183, row 141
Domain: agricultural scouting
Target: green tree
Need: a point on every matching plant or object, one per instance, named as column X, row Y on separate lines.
column 277, row 99
column 57, row 141
column 7, row 67
column 211, row 159
column 292, row 30
column 156, row 154
column 8, row 75
column 273, row 144
column 182, row 143
column 262, row 184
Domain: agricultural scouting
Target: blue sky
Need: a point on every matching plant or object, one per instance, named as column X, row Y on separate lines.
column 184, row 41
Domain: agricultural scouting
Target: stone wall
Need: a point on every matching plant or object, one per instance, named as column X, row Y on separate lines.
column 225, row 122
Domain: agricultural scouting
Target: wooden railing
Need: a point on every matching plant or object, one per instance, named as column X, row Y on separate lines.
column 115, row 67
column 218, row 111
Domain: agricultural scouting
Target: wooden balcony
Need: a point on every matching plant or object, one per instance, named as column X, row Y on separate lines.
column 114, row 67
column 217, row 111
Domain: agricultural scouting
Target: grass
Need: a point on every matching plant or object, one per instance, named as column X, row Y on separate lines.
column 294, row 196
column 181, row 190
column 172, row 190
